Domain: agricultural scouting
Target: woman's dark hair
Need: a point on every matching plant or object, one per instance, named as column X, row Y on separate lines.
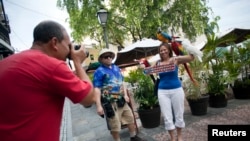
column 46, row 30
column 169, row 48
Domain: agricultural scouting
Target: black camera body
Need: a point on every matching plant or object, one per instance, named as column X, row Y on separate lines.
column 108, row 109
column 107, row 106
column 77, row 47
column 120, row 101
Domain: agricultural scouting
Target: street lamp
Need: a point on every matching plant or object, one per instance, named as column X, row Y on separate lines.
column 102, row 15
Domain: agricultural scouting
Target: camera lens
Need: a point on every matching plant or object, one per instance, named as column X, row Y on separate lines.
column 76, row 47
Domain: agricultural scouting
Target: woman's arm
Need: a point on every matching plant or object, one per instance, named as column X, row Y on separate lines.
column 184, row 59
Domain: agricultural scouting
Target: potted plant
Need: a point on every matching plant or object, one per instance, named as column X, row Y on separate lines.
column 216, row 77
column 237, row 62
column 196, row 94
column 149, row 109
column 241, row 88
column 216, row 84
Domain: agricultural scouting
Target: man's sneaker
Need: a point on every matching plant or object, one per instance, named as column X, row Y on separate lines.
column 136, row 138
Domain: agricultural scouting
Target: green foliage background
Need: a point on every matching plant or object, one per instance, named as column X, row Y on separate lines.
column 135, row 19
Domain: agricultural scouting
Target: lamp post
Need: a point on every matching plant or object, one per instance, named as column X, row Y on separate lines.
column 102, row 15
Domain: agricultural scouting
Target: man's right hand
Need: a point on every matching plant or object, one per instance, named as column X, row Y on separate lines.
column 79, row 55
column 99, row 110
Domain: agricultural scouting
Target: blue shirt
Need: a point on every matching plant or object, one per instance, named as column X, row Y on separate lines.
column 108, row 78
column 169, row 80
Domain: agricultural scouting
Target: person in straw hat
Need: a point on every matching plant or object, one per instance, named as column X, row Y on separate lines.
column 108, row 78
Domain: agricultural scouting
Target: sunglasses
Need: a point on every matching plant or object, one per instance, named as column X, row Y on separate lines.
column 108, row 56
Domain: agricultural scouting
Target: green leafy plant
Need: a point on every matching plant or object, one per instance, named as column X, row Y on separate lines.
column 193, row 91
column 129, row 19
column 232, row 64
column 244, row 59
column 133, row 76
column 144, row 92
column 216, row 81
column 237, row 63
column 216, row 76
column 245, row 83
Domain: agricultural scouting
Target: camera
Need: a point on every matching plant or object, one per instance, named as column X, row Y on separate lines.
column 121, row 101
column 108, row 109
column 107, row 106
column 77, row 47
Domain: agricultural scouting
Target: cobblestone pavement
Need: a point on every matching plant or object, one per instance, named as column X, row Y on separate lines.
column 196, row 129
column 87, row 126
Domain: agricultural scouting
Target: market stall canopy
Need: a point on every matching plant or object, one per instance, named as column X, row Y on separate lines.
column 137, row 50
column 239, row 33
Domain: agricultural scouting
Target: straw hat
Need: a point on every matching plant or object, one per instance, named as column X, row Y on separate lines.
column 105, row 50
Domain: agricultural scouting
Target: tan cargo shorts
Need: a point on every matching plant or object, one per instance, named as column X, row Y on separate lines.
column 123, row 115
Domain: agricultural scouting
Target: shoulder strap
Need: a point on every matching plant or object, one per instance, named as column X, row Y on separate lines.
column 158, row 62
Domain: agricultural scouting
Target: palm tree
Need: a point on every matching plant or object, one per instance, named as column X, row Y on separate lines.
column 214, row 62
column 215, row 77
